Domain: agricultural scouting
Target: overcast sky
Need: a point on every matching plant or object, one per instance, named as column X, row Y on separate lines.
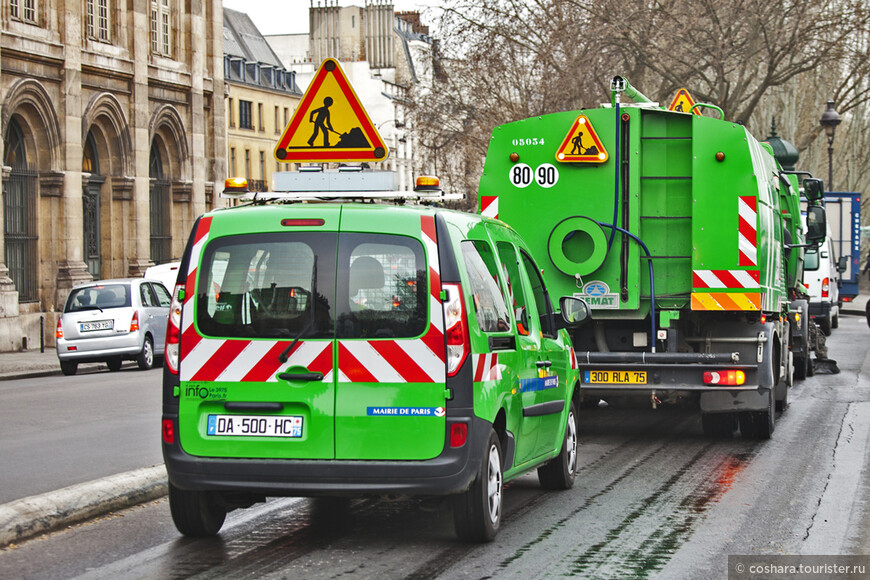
column 291, row 16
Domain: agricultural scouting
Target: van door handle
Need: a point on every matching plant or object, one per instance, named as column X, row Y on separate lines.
column 544, row 364
column 301, row 376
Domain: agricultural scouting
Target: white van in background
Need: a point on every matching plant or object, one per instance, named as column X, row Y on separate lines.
column 166, row 273
column 822, row 279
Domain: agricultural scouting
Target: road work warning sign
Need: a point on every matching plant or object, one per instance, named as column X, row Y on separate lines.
column 330, row 124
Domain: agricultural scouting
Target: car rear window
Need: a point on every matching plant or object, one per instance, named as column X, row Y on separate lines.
column 99, row 297
column 313, row 285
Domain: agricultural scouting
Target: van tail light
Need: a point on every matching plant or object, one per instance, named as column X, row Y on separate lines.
column 134, row 324
column 826, row 286
column 458, row 434
column 59, row 332
column 730, row 377
column 168, row 431
column 456, row 325
column 172, row 329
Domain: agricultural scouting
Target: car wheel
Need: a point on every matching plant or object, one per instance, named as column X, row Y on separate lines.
column 477, row 512
column 195, row 513
column 69, row 368
column 559, row 472
column 114, row 364
column 145, row 359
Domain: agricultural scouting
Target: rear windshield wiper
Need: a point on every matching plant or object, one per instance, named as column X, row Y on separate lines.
column 282, row 358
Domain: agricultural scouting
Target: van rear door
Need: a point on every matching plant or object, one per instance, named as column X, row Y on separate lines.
column 390, row 390
column 258, row 298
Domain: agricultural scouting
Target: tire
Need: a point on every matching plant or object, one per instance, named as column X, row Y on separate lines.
column 719, row 425
column 759, row 424
column 114, row 364
column 801, row 367
column 825, row 324
column 69, row 368
column 195, row 513
column 145, row 358
column 781, row 404
column 477, row 512
column 560, row 471
column 835, row 321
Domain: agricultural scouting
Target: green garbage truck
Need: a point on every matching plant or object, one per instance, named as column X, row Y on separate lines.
column 683, row 234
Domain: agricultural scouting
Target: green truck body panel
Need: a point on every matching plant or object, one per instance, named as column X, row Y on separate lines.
column 677, row 197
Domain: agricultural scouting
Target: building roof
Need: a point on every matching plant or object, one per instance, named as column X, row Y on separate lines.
column 243, row 39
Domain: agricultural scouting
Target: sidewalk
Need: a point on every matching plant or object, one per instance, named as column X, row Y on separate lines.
column 32, row 363
column 34, row 515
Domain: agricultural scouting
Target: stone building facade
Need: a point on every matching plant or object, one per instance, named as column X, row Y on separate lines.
column 113, row 142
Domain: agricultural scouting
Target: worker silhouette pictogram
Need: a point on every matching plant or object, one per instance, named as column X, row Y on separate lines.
column 322, row 122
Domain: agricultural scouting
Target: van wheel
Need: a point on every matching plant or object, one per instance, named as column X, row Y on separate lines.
column 835, row 321
column 825, row 324
column 559, row 472
column 69, row 368
column 114, row 364
column 145, row 359
column 195, row 513
column 477, row 512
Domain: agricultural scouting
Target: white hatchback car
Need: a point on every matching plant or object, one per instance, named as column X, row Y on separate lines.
column 113, row 320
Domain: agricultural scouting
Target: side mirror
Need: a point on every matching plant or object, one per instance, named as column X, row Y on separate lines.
column 816, row 224
column 814, row 189
column 574, row 310
column 843, row 263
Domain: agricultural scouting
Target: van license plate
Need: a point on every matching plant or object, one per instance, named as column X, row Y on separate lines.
column 97, row 325
column 254, row 425
column 614, row 377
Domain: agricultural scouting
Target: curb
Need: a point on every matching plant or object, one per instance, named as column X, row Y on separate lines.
column 39, row 514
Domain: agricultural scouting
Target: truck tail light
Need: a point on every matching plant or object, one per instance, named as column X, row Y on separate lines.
column 134, row 324
column 826, row 286
column 730, row 377
column 456, row 324
column 172, row 329
column 59, row 332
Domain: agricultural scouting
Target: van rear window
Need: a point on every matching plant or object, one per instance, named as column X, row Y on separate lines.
column 313, row 285
column 268, row 286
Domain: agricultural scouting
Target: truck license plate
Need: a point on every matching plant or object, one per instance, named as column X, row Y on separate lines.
column 254, row 425
column 614, row 377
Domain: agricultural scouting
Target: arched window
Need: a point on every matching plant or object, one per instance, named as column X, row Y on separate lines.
column 19, row 228
column 161, row 237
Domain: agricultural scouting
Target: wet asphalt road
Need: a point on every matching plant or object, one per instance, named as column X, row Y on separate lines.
column 654, row 498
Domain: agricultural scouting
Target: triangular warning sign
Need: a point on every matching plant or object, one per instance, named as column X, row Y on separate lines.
column 330, row 124
column 683, row 102
column 581, row 144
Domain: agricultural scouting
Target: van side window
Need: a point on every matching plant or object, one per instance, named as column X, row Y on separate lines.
column 382, row 287
column 489, row 304
column 267, row 286
column 516, row 295
column 542, row 301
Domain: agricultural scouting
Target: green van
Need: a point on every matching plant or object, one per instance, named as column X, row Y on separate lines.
column 362, row 349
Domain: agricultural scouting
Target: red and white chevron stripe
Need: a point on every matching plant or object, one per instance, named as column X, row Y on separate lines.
column 253, row 360
column 747, row 227
column 486, row 367
column 489, row 206
column 726, row 279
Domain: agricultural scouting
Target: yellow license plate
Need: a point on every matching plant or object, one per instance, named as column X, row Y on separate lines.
column 614, row 377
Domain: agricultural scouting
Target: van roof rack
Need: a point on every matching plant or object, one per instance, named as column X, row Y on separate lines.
column 339, row 185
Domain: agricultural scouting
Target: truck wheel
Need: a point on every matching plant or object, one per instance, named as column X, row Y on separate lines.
column 145, row 359
column 781, row 404
column 719, row 425
column 801, row 367
column 759, row 424
column 559, row 472
column 195, row 513
column 69, row 368
column 477, row 512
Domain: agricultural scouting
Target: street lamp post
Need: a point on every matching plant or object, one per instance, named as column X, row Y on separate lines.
column 829, row 121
